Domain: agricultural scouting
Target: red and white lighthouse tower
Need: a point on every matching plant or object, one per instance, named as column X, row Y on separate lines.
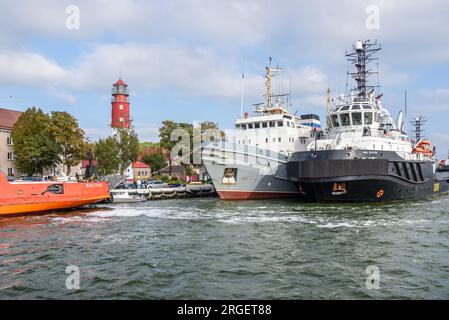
column 120, row 105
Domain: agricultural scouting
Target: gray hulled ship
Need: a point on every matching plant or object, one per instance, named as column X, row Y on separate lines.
column 363, row 155
column 252, row 162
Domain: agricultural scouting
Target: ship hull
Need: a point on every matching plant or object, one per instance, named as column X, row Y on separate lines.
column 23, row 198
column 369, row 189
column 257, row 176
column 364, row 176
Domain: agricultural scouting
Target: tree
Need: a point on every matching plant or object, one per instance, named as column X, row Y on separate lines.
column 167, row 128
column 128, row 147
column 146, row 145
column 107, row 156
column 35, row 148
column 156, row 161
column 69, row 137
column 164, row 134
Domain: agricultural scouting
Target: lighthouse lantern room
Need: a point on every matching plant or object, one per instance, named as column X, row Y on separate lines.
column 120, row 105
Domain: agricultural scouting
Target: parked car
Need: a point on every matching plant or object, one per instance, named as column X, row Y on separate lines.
column 176, row 185
column 156, row 184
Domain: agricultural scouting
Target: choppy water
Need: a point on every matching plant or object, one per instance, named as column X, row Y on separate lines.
column 210, row 249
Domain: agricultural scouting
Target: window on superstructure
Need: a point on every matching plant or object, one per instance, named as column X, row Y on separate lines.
column 272, row 124
column 250, row 125
column 355, row 107
column 293, row 125
column 237, row 126
column 264, row 124
column 279, row 139
column 368, row 118
column 274, row 139
column 367, row 107
column 345, row 120
column 257, row 125
column 280, row 123
column 244, row 126
column 335, row 121
column 356, row 118
column 288, row 124
column 345, row 108
column 266, row 140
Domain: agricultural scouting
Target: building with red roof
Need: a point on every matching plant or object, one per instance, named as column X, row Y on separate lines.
column 138, row 170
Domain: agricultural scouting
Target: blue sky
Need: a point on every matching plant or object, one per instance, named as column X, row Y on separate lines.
column 183, row 60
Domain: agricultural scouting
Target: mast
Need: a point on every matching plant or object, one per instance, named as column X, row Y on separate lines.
column 241, row 97
column 328, row 100
column 269, row 81
column 360, row 57
column 417, row 124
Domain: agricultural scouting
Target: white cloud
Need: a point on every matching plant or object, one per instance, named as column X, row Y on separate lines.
column 29, row 69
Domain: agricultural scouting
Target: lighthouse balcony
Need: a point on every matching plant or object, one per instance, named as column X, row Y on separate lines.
column 120, row 99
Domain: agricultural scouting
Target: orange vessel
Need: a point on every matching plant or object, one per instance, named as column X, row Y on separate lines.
column 17, row 198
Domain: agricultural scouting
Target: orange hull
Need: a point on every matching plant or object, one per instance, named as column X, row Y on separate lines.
column 17, row 198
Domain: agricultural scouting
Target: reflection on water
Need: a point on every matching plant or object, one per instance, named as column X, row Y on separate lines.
column 206, row 248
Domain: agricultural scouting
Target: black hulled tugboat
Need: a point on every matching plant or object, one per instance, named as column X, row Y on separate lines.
column 363, row 154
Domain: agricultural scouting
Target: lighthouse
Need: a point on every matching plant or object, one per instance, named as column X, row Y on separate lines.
column 120, row 105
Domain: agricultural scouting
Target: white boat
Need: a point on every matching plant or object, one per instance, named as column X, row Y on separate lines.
column 125, row 197
column 251, row 163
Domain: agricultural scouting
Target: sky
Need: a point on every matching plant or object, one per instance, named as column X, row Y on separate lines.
column 183, row 60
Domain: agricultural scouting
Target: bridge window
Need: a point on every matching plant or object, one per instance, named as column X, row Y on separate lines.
column 335, row 122
column 345, row 121
column 280, row 123
column 272, row 124
column 345, row 108
column 264, row 124
column 368, row 118
column 356, row 118
column 257, row 125
column 250, row 125
column 244, row 126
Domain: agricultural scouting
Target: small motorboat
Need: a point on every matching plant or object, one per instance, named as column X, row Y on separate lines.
column 125, row 197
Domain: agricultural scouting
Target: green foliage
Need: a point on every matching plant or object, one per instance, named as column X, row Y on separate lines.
column 128, row 147
column 189, row 170
column 35, row 147
column 69, row 138
column 165, row 178
column 155, row 161
column 106, row 154
column 145, row 145
column 167, row 128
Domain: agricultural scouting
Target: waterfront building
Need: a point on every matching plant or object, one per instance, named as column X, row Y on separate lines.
column 7, row 119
